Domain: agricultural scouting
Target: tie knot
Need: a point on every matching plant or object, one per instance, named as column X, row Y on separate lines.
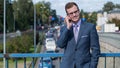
column 75, row 25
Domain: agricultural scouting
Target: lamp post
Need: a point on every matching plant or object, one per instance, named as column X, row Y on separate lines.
column 4, row 34
column 34, row 27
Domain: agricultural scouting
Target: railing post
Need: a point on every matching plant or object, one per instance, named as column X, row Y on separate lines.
column 24, row 62
column 16, row 63
column 32, row 62
column 59, row 60
column 6, row 56
column 105, row 62
column 42, row 61
column 113, row 62
column 7, row 63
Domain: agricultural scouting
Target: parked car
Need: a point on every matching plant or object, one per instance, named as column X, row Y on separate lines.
column 45, row 63
column 49, row 35
column 50, row 44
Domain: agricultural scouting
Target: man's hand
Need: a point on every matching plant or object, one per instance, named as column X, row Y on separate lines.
column 68, row 22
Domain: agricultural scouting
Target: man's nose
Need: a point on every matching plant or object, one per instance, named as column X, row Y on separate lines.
column 74, row 14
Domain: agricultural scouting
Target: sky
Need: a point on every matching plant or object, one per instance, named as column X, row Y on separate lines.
column 86, row 5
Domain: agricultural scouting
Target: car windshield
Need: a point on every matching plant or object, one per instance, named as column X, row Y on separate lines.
column 49, row 36
column 50, row 40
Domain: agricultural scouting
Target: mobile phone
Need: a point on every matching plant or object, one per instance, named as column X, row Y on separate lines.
column 70, row 20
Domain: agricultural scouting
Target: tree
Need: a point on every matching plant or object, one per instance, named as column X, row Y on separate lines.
column 116, row 21
column 108, row 6
column 92, row 18
column 1, row 16
column 23, row 11
column 82, row 13
column 43, row 11
column 89, row 17
column 117, row 6
column 9, row 17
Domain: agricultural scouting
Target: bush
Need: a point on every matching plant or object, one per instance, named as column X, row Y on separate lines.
column 20, row 44
column 1, row 48
column 41, row 38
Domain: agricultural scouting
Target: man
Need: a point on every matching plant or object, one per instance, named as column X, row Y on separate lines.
column 79, row 40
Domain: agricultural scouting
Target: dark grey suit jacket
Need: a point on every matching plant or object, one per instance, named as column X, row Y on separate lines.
column 85, row 53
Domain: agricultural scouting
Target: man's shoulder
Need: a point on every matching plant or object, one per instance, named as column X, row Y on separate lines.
column 88, row 24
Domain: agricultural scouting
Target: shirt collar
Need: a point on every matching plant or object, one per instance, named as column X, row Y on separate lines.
column 78, row 23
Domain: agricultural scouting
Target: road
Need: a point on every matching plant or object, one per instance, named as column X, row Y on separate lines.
column 110, row 41
column 111, row 38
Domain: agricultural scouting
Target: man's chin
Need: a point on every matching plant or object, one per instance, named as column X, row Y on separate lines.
column 75, row 21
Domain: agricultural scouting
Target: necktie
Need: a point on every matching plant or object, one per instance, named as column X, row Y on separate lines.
column 76, row 32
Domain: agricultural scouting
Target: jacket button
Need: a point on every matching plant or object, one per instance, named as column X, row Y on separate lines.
column 75, row 49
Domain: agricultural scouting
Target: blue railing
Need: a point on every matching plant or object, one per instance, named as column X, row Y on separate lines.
column 38, row 55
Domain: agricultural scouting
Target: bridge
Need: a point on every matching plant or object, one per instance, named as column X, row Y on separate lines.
column 109, row 58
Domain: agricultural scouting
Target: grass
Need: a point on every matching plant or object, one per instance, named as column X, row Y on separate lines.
column 20, row 63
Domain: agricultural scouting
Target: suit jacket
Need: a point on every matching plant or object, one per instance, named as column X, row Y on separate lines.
column 85, row 53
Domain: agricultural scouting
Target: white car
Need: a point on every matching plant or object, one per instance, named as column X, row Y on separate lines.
column 50, row 44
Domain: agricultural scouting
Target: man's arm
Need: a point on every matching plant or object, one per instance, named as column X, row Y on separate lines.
column 95, row 47
column 62, row 41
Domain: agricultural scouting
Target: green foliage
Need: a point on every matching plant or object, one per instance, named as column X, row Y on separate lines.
column 1, row 15
column 9, row 17
column 1, row 48
column 20, row 14
column 116, row 21
column 43, row 11
column 108, row 6
column 20, row 44
column 41, row 38
column 117, row 6
column 23, row 13
column 92, row 18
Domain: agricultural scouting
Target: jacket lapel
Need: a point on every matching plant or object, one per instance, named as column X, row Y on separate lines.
column 72, row 35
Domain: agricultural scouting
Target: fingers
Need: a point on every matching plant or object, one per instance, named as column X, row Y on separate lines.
column 68, row 22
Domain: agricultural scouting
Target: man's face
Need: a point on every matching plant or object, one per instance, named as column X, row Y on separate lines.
column 74, row 13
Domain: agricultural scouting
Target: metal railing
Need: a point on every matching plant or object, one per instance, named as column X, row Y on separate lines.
column 38, row 55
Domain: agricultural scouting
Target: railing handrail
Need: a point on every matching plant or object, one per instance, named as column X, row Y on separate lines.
column 20, row 55
column 110, row 55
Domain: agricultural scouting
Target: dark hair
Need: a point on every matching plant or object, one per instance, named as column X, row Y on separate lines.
column 69, row 5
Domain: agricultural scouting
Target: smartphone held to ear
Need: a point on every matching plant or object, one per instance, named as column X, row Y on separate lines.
column 70, row 21
column 67, row 19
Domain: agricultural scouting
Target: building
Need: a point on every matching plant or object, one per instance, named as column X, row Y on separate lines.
column 114, row 14
column 103, row 18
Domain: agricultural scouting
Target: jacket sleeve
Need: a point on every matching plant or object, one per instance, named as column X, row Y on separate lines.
column 95, row 47
column 62, row 41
